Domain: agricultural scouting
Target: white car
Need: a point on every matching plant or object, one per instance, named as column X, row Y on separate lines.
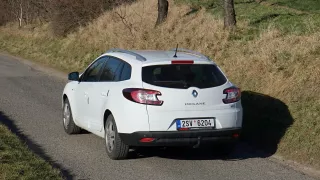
column 152, row 98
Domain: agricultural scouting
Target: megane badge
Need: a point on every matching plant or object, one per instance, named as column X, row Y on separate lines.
column 195, row 93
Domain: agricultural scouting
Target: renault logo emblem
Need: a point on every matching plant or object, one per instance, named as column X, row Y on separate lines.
column 195, row 93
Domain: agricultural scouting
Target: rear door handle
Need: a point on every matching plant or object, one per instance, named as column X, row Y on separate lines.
column 86, row 96
column 105, row 94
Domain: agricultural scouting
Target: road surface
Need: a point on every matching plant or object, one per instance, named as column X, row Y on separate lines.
column 30, row 104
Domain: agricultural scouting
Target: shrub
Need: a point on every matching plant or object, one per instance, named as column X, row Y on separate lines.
column 28, row 10
column 69, row 14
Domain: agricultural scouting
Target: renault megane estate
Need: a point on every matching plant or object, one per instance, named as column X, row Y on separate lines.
column 152, row 98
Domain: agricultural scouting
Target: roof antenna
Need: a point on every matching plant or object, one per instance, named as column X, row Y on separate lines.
column 175, row 55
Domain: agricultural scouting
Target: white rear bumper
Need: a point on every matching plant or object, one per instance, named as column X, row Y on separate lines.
column 224, row 118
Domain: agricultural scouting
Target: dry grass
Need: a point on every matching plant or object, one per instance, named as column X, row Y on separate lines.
column 284, row 67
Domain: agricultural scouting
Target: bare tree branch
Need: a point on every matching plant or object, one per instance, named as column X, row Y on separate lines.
column 125, row 22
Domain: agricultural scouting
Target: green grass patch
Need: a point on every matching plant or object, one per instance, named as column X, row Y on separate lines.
column 303, row 5
column 18, row 162
column 289, row 16
column 261, row 17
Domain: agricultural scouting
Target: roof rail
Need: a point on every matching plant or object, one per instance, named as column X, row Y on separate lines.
column 138, row 56
column 191, row 52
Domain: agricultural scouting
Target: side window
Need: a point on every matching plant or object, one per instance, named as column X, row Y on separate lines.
column 126, row 72
column 117, row 75
column 111, row 70
column 93, row 72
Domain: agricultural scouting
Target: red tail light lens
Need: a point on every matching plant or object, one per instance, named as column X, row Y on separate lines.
column 233, row 94
column 143, row 96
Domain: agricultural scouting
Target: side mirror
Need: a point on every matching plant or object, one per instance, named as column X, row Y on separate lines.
column 74, row 76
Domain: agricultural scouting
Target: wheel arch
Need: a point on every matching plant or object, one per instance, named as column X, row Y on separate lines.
column 106, row 114
column 64, row 97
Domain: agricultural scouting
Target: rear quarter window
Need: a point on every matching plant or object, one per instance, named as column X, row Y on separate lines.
column 183, row 76
column 126, row 72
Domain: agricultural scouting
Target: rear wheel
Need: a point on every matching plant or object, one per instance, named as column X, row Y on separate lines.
column 116, row 149
column 69, row 126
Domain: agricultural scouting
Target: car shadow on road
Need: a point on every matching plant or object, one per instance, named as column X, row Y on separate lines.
column 35, row 148
column 265, row 121
column 241, row 152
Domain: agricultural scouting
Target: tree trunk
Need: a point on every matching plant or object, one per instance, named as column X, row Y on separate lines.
column 20, row 15
column 229, row 14
column 163, row 6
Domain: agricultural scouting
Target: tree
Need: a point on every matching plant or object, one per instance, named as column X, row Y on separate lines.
column 229, row 14
column 24, row 11
column 163, row 6
column 16, row 10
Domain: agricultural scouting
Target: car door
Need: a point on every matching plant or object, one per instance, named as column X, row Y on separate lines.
column 84, row 91
column 110, row 74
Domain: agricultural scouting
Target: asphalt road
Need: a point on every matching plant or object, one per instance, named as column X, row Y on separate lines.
column 30, row 102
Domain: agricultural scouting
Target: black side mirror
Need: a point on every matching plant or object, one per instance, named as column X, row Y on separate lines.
column 74, row 76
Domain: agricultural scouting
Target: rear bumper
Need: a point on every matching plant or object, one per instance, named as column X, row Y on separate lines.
column 181, row 138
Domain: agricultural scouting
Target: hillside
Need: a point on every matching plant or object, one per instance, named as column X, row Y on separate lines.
column 273, row 55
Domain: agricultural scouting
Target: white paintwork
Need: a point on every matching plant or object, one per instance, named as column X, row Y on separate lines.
column 89, row 101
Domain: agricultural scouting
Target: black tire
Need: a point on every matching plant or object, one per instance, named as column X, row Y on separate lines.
column 120, row 150
column 69, row 127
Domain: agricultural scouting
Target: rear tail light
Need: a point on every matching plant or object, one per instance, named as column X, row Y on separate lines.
column 233, row 94
column 143, row 96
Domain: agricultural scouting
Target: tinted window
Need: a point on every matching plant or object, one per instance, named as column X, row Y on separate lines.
column 112, row 70
column 183, row 76
column 126, row 72
column 93, row 72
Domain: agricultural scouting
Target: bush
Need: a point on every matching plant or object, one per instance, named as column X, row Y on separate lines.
column 5, row 13
column 32, row 11
column 69, row 14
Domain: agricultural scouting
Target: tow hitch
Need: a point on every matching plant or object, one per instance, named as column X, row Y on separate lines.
column 198, row 143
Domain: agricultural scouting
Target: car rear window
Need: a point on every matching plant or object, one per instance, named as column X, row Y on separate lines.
column 183, row 76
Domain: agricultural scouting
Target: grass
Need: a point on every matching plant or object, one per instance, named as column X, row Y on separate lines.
column 18, row 162
column 305, row 5
column 286, row 20
column 288, row 16
column 274, row 60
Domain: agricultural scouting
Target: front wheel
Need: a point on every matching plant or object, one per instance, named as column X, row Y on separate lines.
column 116, row 149
column 69, row 126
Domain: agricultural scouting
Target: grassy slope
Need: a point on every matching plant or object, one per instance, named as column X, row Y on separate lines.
column 305, row 5
column 17, row 162
column 274, row 60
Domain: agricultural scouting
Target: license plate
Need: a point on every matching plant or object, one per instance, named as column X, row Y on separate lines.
column 195, row 123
